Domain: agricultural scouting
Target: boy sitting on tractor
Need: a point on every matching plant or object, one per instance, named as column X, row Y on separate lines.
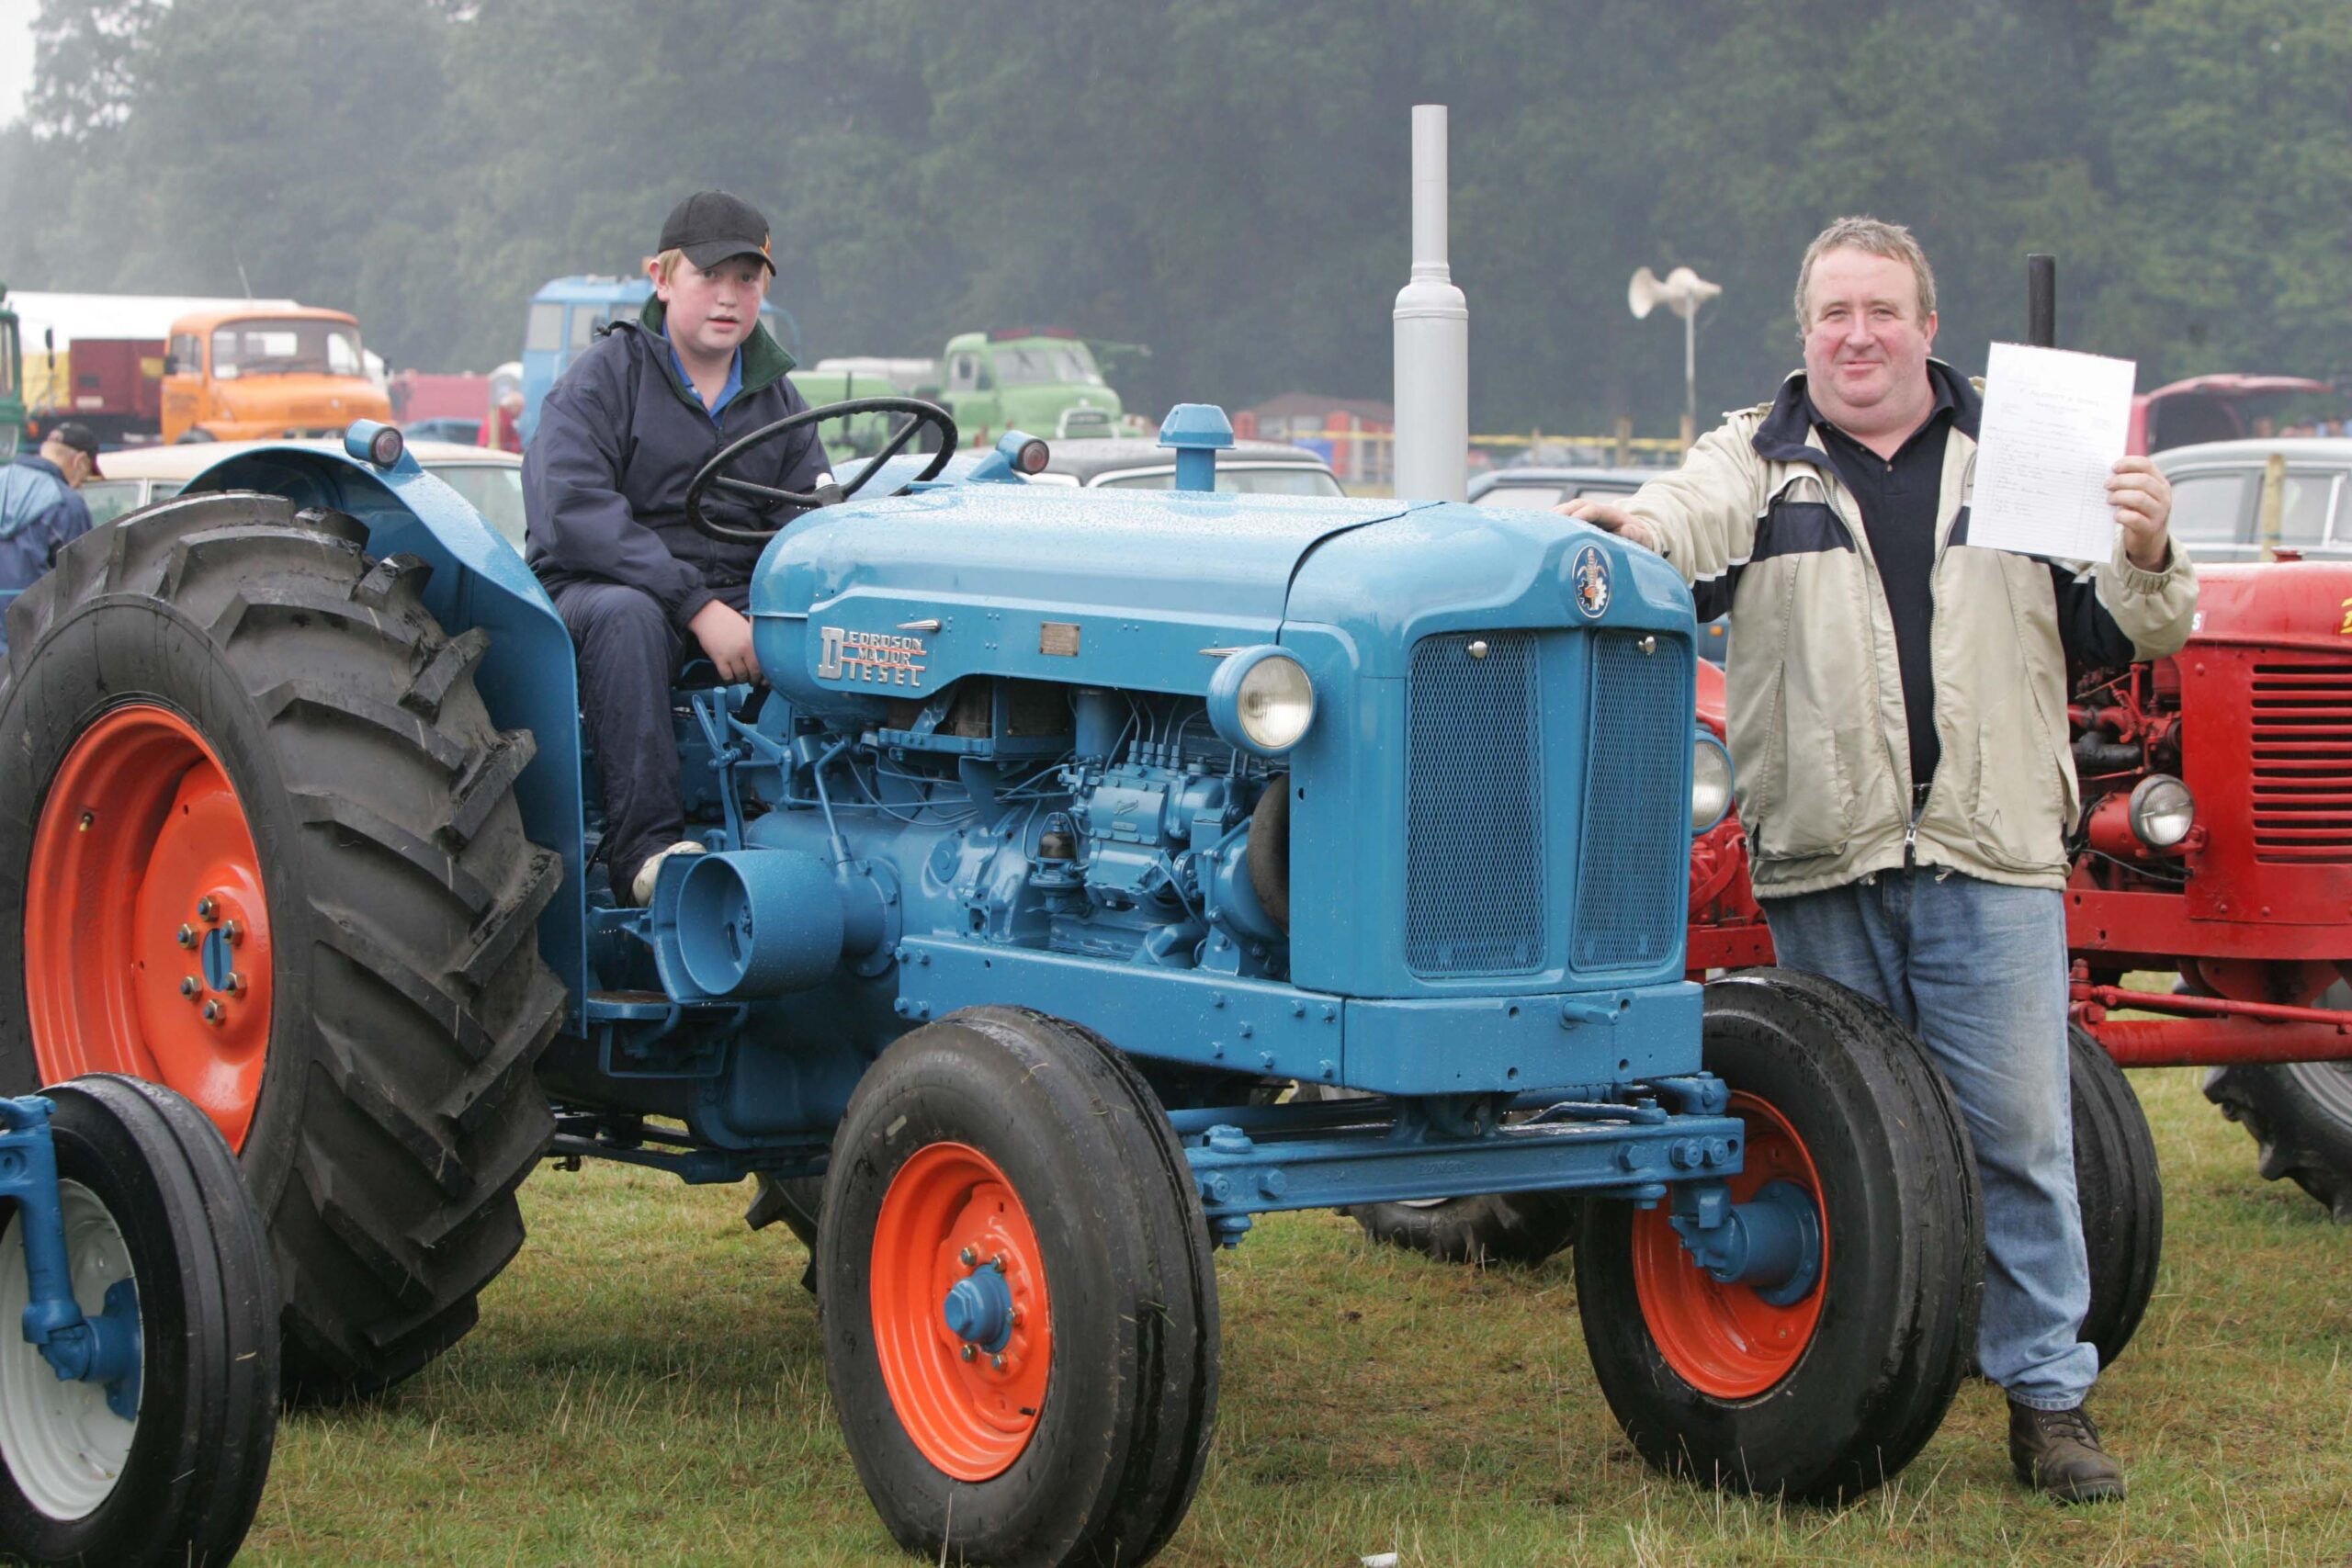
column 605, row 485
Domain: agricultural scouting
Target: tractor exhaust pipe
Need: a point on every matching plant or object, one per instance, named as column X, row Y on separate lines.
column 1432, row 323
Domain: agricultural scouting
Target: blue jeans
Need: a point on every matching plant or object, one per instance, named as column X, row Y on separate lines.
column 1978, row 970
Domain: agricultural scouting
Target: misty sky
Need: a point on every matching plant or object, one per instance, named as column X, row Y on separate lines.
column 15, row 55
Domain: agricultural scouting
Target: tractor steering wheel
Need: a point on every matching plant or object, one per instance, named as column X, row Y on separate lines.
column 768, row 497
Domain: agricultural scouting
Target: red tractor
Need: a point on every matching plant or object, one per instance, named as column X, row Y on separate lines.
column 2216, row 840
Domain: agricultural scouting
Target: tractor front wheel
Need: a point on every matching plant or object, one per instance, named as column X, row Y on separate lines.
column 1816, row 1391
column 165, row 1466
column 2299, row 1113
column 1018, row 1299
column 267, row 854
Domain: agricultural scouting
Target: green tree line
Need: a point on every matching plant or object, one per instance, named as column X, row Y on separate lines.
column 1224, row 180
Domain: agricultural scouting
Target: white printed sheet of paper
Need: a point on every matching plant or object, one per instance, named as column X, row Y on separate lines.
column 2054, row 424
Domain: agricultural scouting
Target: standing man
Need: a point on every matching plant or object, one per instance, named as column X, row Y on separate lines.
column 40, row 513
column 1898, row 711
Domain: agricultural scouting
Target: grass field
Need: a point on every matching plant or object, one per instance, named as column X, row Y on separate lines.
column 646, row 1386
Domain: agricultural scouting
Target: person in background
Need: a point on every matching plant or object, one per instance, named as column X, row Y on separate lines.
column 502, row 429
column 40, row 511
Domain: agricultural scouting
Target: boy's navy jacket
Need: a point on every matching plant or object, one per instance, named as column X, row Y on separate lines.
column 604, row 479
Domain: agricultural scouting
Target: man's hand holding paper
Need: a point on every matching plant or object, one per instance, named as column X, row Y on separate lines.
column 2143, row 499
column 2051, row 478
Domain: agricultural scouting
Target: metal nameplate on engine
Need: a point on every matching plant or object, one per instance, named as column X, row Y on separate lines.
column 1059, row 638
column 877, row 657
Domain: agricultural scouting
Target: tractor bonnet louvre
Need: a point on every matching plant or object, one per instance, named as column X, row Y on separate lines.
column 2301, row 761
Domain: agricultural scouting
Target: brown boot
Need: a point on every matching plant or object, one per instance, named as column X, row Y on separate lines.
column 2058, row 1451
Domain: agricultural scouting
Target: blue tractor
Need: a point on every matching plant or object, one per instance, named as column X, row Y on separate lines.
column 1075, row 848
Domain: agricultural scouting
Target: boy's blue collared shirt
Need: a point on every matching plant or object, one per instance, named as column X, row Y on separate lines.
column 725, row 394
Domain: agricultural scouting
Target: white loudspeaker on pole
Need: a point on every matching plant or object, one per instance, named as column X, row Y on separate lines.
column 1432, row 324
column 1682, row 292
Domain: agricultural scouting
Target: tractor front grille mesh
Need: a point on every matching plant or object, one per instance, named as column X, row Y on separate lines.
column 1474, row 856
column 1633, row 884
column 2303, row 760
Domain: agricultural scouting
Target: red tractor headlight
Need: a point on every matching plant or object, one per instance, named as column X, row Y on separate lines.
column 2162, row 811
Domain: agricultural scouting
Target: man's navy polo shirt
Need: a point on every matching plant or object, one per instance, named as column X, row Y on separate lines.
column 1897, row 499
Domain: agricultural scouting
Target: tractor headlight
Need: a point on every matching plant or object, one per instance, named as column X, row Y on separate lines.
column 2162, row 811
column 1261, row 700
column 1710, row 782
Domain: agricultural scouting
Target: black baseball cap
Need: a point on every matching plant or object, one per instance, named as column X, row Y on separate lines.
column 711, row 226
column 81, row 437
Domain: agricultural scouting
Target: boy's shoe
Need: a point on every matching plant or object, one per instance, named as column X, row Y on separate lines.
column 2058, row 1451
column 642, row 890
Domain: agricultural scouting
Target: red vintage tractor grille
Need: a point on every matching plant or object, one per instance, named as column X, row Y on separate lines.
column 2302, row 762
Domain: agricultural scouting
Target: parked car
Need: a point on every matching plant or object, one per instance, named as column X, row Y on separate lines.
column 1543, row 488
column 141, row 476
column 2218, row 494
column 1247, row 468
column 443, row 427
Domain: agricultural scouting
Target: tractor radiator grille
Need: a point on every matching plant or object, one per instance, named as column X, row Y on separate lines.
column 2302, row 762
column 1474, row 807
column 1632, row 888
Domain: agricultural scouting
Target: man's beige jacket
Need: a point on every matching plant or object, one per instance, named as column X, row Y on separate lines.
column 1757, row 522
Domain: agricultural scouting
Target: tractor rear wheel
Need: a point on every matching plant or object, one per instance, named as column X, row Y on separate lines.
column 1018, row 1299
column 269, row 856
column 2301, row 1115
column 1822, row 1396
column 2121, row 1194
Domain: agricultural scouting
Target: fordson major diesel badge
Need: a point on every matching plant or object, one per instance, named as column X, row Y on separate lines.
column 878, row 659
column 1591, row 578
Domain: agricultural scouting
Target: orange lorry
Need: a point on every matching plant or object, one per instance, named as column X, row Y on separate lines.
column 266, row 372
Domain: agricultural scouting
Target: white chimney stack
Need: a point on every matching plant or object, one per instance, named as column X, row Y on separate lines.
column 1433, row 338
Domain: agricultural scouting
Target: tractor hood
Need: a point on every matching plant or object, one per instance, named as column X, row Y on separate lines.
column 899, row 597
column 2305, row 605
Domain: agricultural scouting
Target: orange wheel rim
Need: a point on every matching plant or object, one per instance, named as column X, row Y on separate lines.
column 969, row 1401
column 1725, row 1340
column 147, row 948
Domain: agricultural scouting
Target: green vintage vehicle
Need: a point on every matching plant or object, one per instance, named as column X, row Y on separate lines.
column 12, row 382
column 1040, row 380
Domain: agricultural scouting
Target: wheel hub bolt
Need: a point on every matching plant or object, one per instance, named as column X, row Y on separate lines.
column 188, row 936
column 212, row 1013
column 189, row 986
column 969, row 1258
column 234, row 931
column 997, row 1361
column 236, row 984
column 207, row 907
column 969, row 1351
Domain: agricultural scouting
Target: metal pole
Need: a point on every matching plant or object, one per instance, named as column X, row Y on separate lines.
column 1690, row 377
column 1432, row 337
column 2041, row 300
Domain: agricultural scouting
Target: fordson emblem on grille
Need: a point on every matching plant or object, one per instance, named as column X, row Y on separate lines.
column 876, row 658
column 1590, row 575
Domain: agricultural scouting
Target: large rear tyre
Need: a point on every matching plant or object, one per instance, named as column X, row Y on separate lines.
column 2121, row 1194
column 1825, row 1396
column 269, row 855
column 2299, row 1113
column 1018, row 1298
column 154, row 1216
